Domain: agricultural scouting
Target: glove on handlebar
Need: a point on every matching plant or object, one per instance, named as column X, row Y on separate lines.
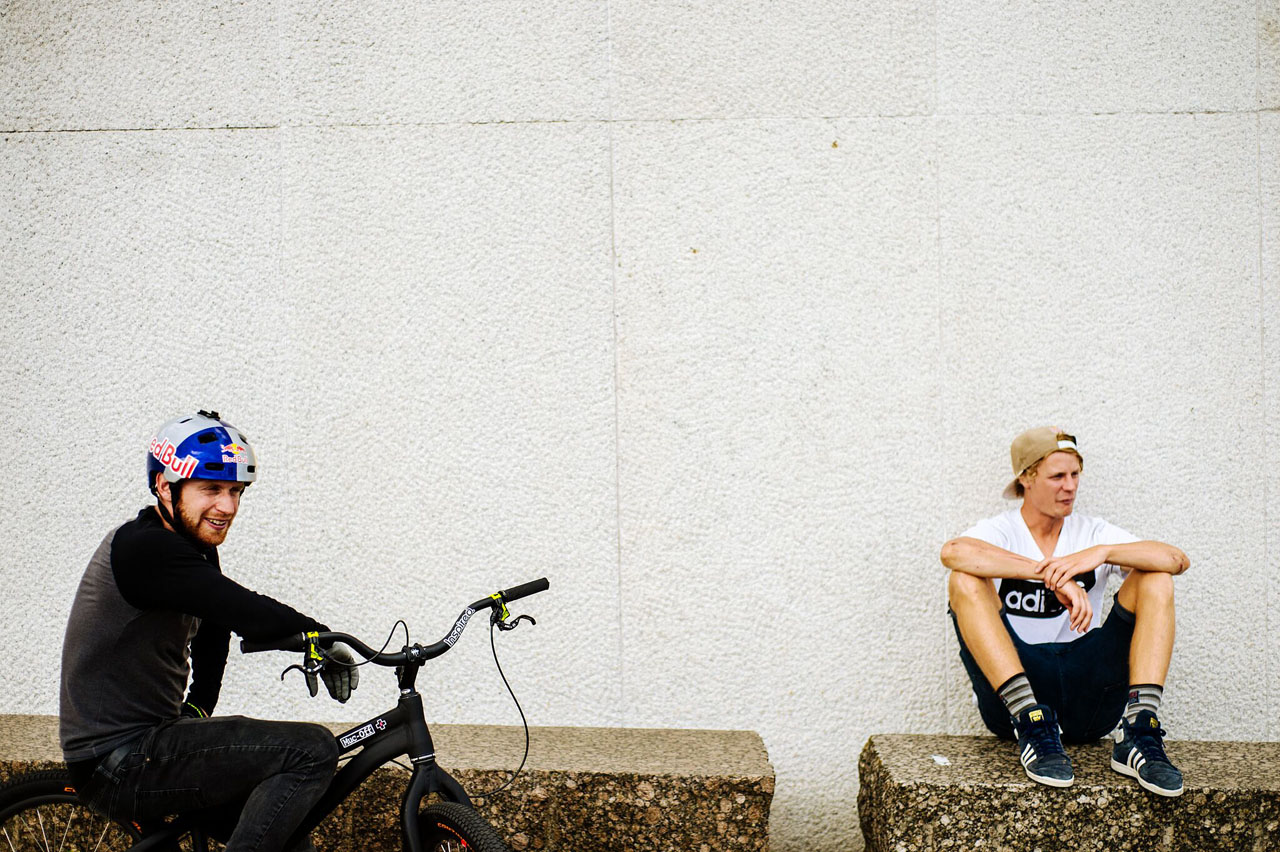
column 339, row 673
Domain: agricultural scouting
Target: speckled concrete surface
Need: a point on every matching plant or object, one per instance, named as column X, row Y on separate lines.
column 720, row 314
column 602, row 789
column 925, row 793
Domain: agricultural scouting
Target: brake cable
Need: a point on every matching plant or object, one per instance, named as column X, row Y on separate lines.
column 325, row 658
column 496, row 621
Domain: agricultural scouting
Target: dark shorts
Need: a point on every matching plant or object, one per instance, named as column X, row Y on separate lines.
column 1086, row 681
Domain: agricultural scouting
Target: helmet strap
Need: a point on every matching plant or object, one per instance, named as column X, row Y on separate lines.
column 164, row 513
column 174, row 520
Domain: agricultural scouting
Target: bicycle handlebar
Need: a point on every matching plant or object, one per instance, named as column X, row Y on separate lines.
column 413, row 653
column 523, row 590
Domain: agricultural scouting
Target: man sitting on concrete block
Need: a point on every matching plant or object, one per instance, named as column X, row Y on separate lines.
column 1026, row 592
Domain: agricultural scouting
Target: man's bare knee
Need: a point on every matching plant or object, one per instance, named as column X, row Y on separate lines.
column 1146, row 590
column 1156, row 587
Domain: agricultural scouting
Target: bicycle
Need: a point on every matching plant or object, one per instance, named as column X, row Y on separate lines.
column 40, row 812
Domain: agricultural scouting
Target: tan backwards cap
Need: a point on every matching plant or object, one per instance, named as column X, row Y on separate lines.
column 1033, row 445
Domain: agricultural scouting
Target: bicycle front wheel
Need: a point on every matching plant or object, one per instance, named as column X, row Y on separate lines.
column 453, row 827
column 41, row 813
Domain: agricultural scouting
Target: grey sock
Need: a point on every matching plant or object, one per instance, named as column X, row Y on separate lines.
column 1017, row 695
column 1143, row 696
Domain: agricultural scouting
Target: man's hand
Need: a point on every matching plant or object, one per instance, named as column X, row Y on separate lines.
column 339, row 673
column 1072, row 596
column 1057, row 571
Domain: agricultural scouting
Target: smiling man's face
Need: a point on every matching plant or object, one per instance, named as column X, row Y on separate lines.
column 207, row 507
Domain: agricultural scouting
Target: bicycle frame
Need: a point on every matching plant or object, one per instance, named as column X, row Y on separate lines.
column 400, row 731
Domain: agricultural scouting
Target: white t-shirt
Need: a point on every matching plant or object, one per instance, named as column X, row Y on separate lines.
column 1034, row 611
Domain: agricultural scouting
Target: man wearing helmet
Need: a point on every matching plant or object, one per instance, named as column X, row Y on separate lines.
column 153, row 609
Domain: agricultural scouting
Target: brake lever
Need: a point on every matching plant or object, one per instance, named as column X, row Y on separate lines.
column 312, row 667
column 512, row 625
column 313, row 657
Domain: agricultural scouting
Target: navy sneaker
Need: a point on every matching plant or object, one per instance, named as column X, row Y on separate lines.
column 1139, row 753
column 1040, row 747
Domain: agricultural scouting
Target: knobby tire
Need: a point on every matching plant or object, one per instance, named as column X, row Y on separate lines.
column 453, row 827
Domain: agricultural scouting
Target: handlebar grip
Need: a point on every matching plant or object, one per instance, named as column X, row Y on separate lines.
column 524, row 590
column 292, row 642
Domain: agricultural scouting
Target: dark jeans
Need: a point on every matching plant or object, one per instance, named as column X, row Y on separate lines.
column 1085, row 681
column 253, row 780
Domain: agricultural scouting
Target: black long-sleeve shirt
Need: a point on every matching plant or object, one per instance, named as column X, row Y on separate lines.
column 152, row 608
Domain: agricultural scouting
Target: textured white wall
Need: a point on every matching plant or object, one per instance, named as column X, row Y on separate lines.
column 720, row 314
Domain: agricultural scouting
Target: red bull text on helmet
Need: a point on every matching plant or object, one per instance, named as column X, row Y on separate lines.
column 165, row 453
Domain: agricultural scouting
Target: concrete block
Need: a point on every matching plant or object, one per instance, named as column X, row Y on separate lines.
column 140, row 273
column 1269, row 54
column 776, row 387
column 926, row 793
column 760, row 59
column 595, row 789
column 450, row 291
column 485, row 60
column 1139, row 55
column 118, row 64
column 1269, row 192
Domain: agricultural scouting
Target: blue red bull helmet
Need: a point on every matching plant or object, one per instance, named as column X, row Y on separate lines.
column 200, row 446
